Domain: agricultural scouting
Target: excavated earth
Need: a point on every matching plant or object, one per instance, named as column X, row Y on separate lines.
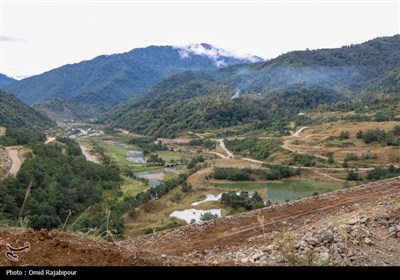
column 355, row 226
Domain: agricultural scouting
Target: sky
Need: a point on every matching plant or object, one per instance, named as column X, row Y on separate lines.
column 37, row 36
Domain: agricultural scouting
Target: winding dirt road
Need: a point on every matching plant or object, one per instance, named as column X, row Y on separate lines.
column 222, row 145
column 297, row 133
column 287, row 146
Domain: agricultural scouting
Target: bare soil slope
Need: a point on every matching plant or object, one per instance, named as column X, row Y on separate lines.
column 356, row 226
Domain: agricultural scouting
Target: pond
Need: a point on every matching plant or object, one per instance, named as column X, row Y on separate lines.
column 189, row 214
column 290, row 189
column 295, row 189
column 154, row 176
column 135, row 156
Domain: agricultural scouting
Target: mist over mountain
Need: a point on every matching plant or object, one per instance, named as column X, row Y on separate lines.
column 109, row 80
column 262, row 93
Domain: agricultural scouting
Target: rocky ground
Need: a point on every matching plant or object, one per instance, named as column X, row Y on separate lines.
column 357, row 226
column 368, row 235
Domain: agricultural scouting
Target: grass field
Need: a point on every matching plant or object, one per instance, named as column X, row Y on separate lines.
column 320, row 140
column 131, row 187
column 117, row 154
column 320, row 132
column 156, row 213
column 169, row 155
column 144, row 168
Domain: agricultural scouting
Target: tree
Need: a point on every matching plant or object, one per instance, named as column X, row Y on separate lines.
column 43, row 221
column 331, row 160
column 396, row 130
column 194, row 161
column 176, row 197
column 352, row 176
column 155, row 159
column 186, row 187
column 344, row 135
column 345, row 164
column 242, row 200
column 208, row 216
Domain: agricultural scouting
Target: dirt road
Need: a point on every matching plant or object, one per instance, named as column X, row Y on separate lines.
column 222, row 145
column 218, row 154
column 297, row 133
column 16, row 161
column 86, row 154
column 49, row 140
column 253, row 160
column 287, row 146
column 233, row 231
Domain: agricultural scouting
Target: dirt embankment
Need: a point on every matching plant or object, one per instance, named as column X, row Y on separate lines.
column 61, row 249
column 356, row 226
column 210, row 242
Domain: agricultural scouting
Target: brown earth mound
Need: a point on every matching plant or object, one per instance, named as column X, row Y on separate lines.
column 60, row 249
column 356, row 226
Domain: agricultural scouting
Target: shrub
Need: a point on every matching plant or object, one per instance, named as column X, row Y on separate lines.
column 208, row 216
column 351, row 157
column 195, row 161
column 306, row 160
column 331, row 160
column 242, row 200
column 379, row 173
column 186, row 187
column 344, row 135
column 352, row 176
column 232, row 174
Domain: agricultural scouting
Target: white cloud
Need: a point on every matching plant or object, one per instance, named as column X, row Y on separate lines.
column 216, row 54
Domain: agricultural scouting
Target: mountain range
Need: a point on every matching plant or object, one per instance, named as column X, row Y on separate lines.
column 5, row 81
column 109, row 80
column 262, row 94
column 165, row 90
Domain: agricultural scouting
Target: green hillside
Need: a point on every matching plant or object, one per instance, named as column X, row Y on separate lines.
column 108, row 80
column 267, row 92
column 14, row 113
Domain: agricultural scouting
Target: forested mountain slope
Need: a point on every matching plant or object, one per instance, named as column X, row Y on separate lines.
column 263, row 93
column 108, row 80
